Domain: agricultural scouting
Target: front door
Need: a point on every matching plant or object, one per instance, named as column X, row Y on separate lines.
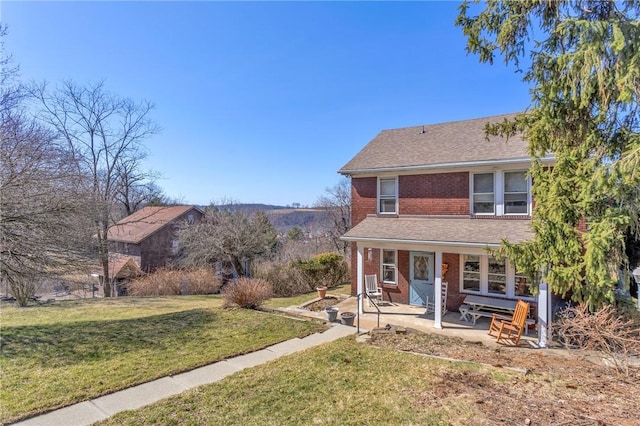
column 420, row 278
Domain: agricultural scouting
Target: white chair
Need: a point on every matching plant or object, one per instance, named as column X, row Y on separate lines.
column 431, row 305
column 373, row 290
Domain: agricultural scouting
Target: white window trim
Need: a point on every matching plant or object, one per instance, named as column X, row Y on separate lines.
column 484, row 280
column 462, row 276
column 528, row 213
column 495, row 195
column 378, row 197
column 395, row 266
column 498, row 193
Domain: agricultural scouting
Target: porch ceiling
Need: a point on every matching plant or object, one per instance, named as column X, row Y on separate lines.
column 441, row 231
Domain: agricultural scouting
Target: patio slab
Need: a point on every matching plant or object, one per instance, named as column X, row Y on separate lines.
column 414, row 317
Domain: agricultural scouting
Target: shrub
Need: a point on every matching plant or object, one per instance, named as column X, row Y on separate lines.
column 173, row 282
column 247, row 293
column 325, row 269
column 285, row 280
column 614, row 334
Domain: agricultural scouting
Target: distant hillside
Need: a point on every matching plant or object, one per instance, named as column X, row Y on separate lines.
column 310, row 220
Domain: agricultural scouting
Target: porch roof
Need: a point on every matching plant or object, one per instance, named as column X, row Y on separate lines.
column 457, row 231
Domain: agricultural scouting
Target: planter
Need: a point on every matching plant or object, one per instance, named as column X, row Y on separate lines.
column 347, row 318
column 332, row 313
column 322, row 292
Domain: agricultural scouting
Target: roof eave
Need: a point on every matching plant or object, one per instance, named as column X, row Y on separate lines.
column 548, row 159
column 425, row 242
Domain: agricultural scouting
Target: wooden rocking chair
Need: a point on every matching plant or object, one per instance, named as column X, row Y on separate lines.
column 509, row 330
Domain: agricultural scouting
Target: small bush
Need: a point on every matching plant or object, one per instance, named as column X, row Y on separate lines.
column 174, row 282
column 325, row 269
column 247, row 293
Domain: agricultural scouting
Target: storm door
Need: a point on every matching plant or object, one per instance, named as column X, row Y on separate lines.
column 420, row 278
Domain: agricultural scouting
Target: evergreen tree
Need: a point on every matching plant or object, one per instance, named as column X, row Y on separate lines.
column 581, row 60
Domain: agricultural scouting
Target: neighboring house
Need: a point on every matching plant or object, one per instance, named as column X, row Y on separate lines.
column 149, row 235
column 427, row 202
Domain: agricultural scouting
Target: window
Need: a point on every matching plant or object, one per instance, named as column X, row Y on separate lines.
column 483, row 274
column 483, row 195
column 175, row 247
column 500, row 193
column 190, row 218
column 497, row 276
column 387, row 195
column 522, row 287
column 471, row 273
column 516, row 193
column 389, row 267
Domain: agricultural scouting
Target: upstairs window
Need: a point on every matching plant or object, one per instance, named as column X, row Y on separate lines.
column 516, row 193
column 483, row 193
column 388, row 195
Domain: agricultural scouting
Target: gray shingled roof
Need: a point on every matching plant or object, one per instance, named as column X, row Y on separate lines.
column 440, row 144
column 438, row 230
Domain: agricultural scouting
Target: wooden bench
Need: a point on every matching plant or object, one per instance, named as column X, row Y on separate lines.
column 477, row 313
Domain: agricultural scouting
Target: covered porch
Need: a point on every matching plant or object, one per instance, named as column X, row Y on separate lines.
column 415, row 317
column 414, row 258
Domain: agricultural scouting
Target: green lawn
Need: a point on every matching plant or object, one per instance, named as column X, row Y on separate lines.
column 341, row 383
column 56, row 355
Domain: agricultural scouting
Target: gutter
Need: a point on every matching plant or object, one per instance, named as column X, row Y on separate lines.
column 425, row 242
column 457, row 164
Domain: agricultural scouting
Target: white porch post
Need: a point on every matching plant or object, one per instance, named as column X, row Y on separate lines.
column 544, row 320
column 437, row 323
column 360, row 278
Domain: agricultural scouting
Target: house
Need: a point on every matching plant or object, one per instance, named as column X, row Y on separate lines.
column 149, row 235
column 427, row 202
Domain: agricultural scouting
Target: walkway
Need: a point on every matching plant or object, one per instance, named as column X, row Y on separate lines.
column 88, row 412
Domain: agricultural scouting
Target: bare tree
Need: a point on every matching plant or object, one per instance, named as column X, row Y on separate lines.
column 41, row 218
column 137, row 187
column 103, row 132
column 337, row 202
column 229, row 236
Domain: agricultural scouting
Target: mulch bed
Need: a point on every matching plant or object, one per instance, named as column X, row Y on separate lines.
column 319, row 305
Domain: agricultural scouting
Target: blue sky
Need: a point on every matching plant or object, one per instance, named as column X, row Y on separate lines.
column 264, row 101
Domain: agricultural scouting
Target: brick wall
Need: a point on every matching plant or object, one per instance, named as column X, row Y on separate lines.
column 427, row 194
column 363, row 198
column 434, row 194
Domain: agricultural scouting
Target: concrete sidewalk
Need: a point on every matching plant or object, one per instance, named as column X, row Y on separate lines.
column 88, row 412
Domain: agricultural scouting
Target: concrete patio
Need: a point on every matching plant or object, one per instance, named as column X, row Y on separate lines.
column 414, row 317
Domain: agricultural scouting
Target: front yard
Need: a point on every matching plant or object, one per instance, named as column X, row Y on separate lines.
column 59, row 354
column 349, row 383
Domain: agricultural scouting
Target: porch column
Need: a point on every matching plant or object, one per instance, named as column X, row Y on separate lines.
column 437, row 322
column 360, row 278
column 544, row 318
